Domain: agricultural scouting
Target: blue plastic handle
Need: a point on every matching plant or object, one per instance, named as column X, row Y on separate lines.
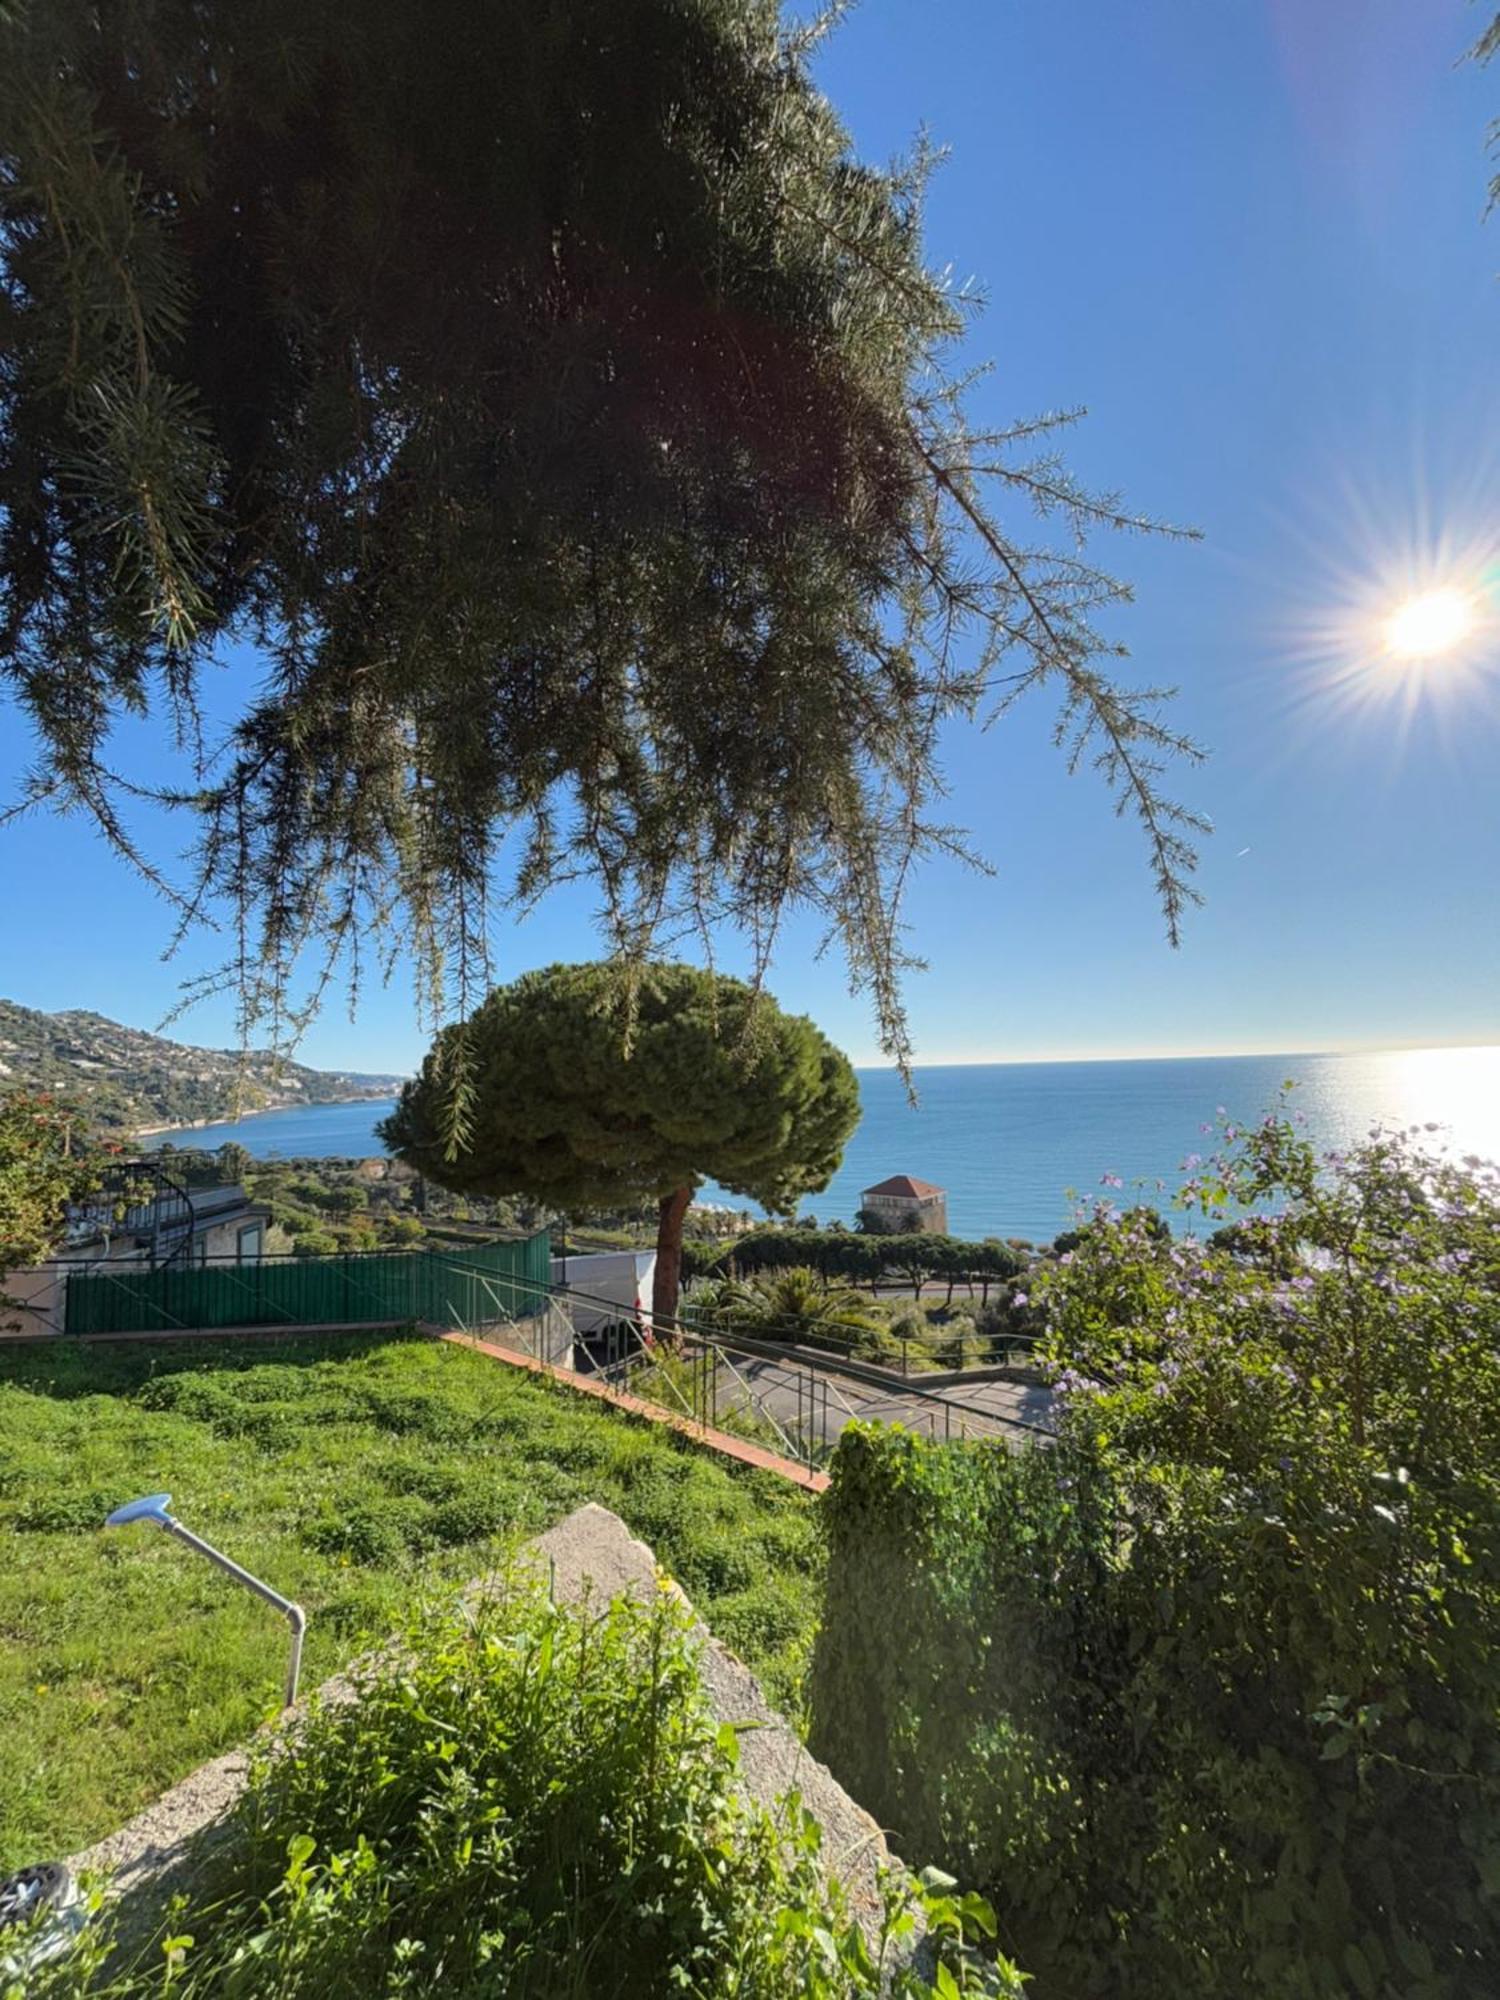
column 152, row 1508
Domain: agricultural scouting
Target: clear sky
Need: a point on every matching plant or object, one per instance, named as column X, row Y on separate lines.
column 1249, row 236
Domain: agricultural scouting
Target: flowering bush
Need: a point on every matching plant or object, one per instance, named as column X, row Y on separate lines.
column 1210, row 1704
column 1348, row 1341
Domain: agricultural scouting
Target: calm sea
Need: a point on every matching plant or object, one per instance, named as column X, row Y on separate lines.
column 1009, row 1140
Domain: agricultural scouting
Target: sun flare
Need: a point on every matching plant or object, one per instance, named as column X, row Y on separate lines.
column 1425, row 627
column 1389, row 616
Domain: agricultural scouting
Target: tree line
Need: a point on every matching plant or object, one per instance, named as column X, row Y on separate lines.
column 917, row 1259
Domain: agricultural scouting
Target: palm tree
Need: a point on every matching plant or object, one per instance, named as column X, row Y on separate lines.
column 792, row 1304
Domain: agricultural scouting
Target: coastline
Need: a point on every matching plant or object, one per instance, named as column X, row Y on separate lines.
column 260, row 1111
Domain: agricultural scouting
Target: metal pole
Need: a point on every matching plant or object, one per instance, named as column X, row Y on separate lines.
column 154, row 1508
column 294, row 1615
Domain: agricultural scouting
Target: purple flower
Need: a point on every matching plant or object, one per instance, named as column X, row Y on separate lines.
column 1192, row 1160
column 1071, row 1383
column 1110, row 1180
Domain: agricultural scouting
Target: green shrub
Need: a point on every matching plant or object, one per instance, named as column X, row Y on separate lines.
column 1014, row 1319
column 471, row 1516
column 872, row 1339
column 373, row 1532
column 66, row 1513
column 701, row 1259
column 315, row 1243
column 1206, row 1695
column 523, row 1800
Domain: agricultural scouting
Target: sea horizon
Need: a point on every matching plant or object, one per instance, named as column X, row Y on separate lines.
column 1019, row 1146
column 1183, row 1055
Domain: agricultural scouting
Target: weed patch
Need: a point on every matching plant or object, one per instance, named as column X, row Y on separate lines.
column 531, row 1800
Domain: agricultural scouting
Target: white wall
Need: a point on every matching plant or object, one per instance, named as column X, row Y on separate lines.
column 620, row 1280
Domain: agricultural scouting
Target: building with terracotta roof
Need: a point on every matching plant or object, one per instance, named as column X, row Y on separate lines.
column 901, row 1205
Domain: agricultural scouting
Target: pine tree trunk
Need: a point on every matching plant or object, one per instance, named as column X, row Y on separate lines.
column 666, row 1284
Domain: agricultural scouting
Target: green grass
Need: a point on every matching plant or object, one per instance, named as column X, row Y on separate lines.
column 353, row 1474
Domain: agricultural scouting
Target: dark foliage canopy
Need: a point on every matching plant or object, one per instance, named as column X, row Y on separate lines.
column 559, row 412
column 580, row 1088
column 1483, row 51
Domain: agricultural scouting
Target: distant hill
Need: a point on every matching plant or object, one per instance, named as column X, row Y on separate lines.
column 127, row 1080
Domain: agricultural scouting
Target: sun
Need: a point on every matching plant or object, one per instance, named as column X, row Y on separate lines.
column 1426, row 627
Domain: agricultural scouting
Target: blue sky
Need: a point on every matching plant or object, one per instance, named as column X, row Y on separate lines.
column 1248, row 235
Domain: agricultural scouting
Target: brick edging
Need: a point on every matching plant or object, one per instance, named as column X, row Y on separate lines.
column 583, row 1385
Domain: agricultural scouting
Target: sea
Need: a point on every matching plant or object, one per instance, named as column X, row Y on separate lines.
column 1018, row 1146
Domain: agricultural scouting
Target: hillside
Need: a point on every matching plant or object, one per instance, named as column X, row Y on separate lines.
column 128, row 1080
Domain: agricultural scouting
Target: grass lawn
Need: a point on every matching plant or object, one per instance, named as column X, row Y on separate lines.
column 353, row 1474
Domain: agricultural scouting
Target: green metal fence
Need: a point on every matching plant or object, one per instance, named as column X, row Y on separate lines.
column 484, row 1281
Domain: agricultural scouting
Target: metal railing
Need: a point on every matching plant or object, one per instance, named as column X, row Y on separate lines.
column 790, row 1390
column 791, row 1399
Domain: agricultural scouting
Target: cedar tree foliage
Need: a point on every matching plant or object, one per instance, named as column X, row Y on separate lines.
column 559, row 421
column 1484, row 51
column 584, row 1087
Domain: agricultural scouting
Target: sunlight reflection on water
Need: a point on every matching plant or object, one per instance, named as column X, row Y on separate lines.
column 1458, row 1090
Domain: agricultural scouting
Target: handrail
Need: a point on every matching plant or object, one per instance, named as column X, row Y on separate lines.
column 688, row 1320
column 767, row 1350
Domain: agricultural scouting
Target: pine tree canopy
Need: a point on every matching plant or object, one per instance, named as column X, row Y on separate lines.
column 587, row 1087
column 561, row 413
column 588, row 1091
